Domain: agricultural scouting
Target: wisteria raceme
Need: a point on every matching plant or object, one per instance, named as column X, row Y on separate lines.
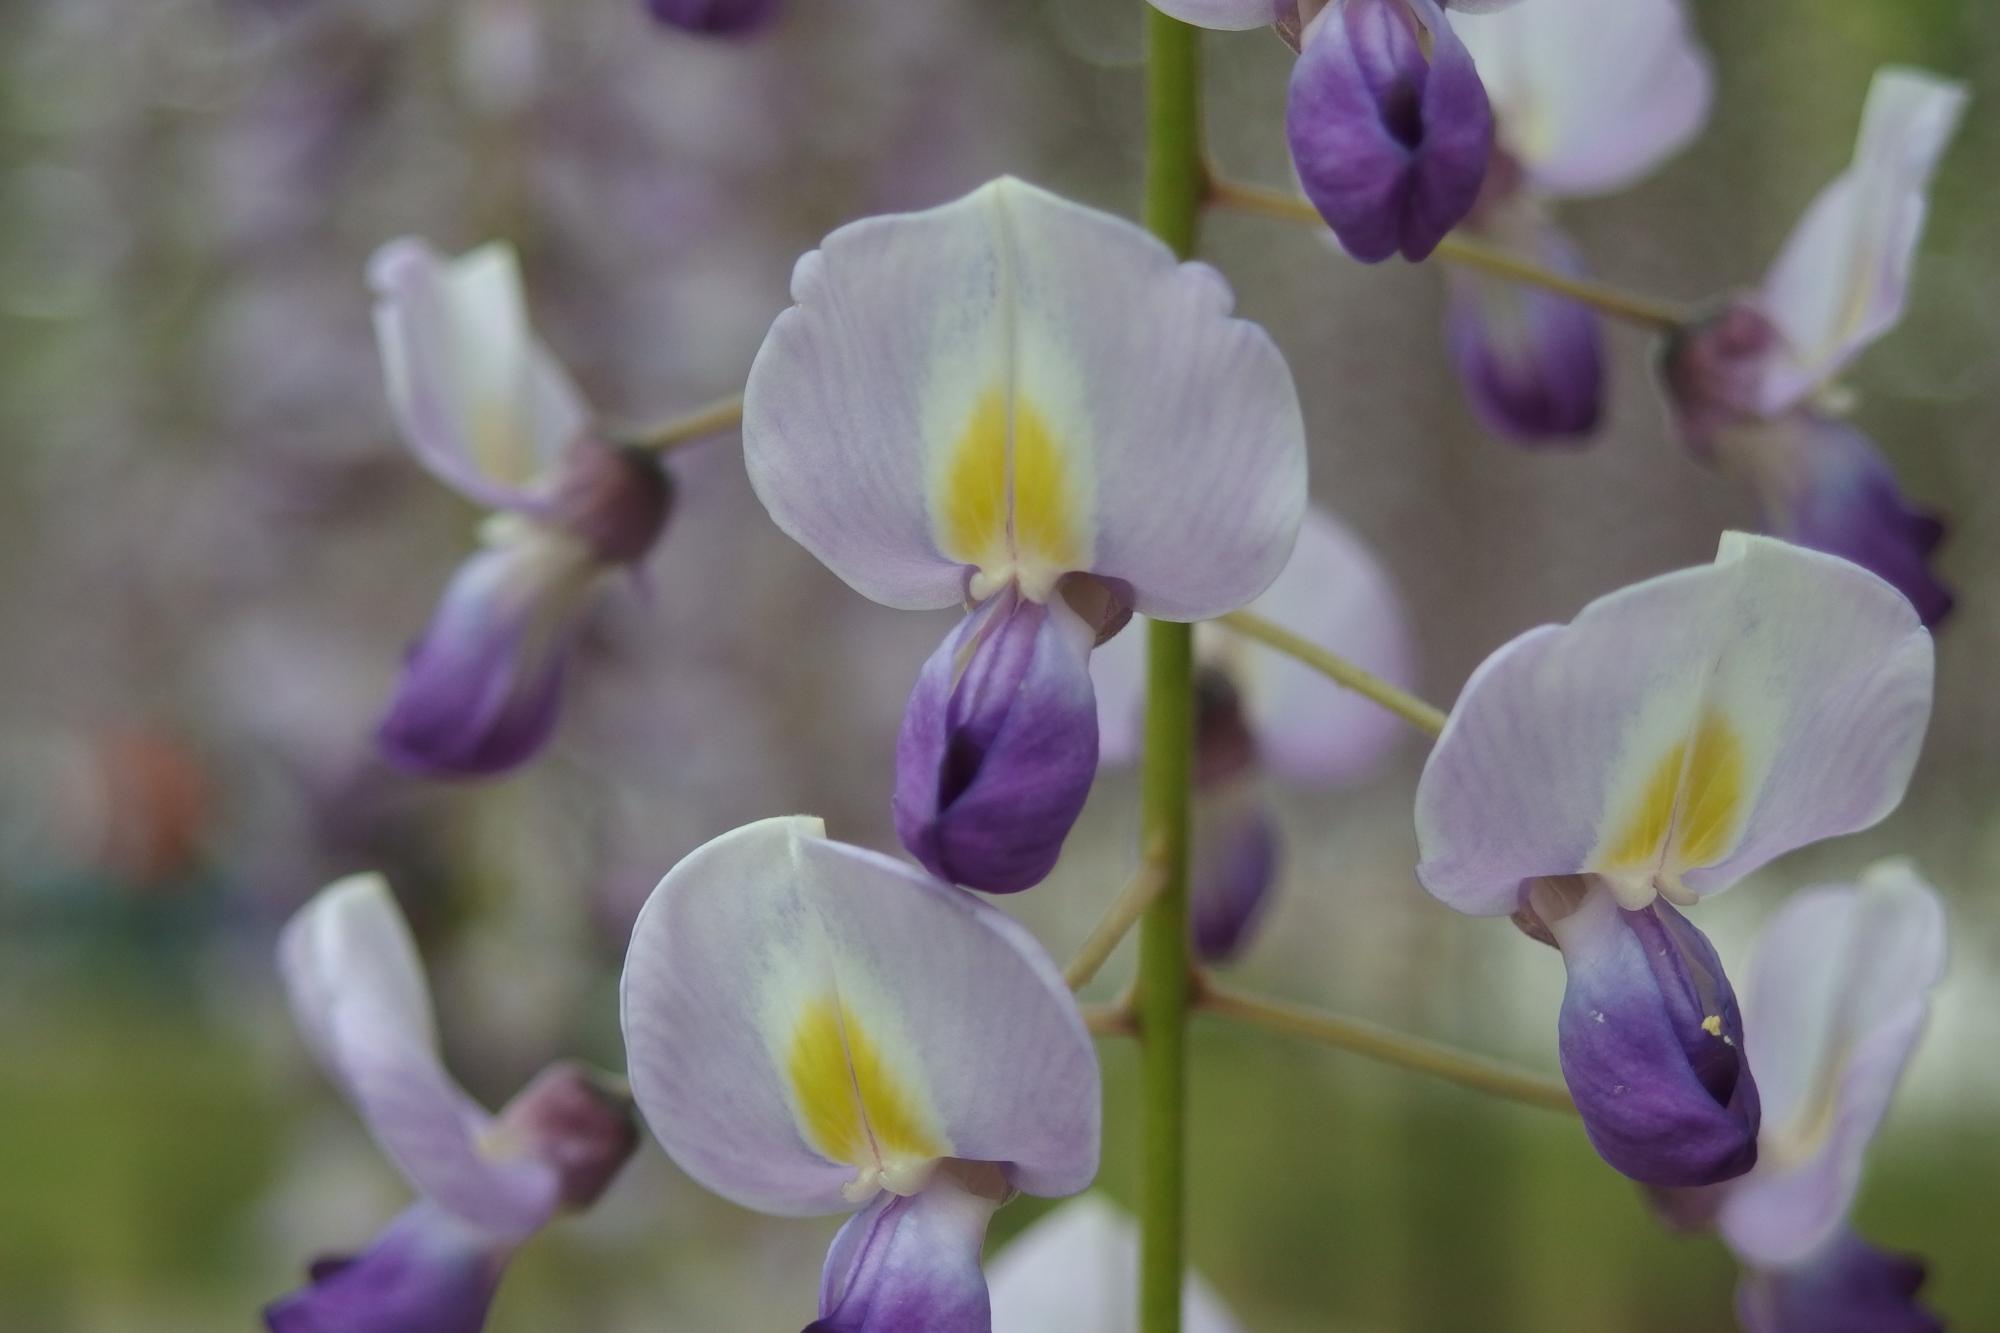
column 491, row 413
column 1753, row 389
column 1676, row 735
column 1031, row 409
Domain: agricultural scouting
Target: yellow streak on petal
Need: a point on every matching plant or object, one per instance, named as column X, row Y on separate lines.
column 853, row 1107
column 1688, row 811
column 1005, row 502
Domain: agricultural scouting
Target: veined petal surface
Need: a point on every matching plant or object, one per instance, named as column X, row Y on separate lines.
column 1839, row 994
column 1227, row 15
column 1679, row 733
column 357, row 990
column 1841, row 279
column 909, row 1265
column 1589, row 97
column 807, row 1021
column 1015, row 387
column 1076, row 1271
column 477, row 397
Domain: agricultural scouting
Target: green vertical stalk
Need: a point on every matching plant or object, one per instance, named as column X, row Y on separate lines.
column 1173, row 207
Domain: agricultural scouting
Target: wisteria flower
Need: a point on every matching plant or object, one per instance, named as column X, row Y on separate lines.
column 814, row 1028
column 1839, row 994
column 1754, row 388
column 1077, row 1271
column 486, row 1183
column 1587, row 98
column 727, row 18
column 1021, row 405
column 1259, row 712
column 1596, row 777
column 490, row 413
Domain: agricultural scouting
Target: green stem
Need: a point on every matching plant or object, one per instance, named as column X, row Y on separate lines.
column 1174, row 186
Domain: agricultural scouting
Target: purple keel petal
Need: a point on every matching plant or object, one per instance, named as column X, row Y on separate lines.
column 1652, row 1044
column 910, row 1265
column 720, row 17
column 1390, row 144
column 480, row 692
column 427, row 1273
column 999, row 745
column 1531, row 363
column 1848, row 1287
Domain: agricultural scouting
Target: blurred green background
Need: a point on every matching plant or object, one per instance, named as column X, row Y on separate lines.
column 212, row 550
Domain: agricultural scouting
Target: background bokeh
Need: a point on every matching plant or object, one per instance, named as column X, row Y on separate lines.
column 212, row 551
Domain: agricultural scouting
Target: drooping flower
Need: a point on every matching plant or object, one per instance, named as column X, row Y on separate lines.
column 486, row 1183
column 814, row 1028
column 1030, row 408
column 1261, row 712
column 1587, row 98
column 1754, row 389
column 727, row 18
column 1839, row 994
column 490, row 413
column 1389, row 126
column 1076, row 1271
column 1597, row 776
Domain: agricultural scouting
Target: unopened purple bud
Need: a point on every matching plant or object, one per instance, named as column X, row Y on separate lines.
column 569, row 1119
column 613, row 499
column 1711, row 372
column 428, row 1272
column 1531, row 362
column 1652, row 1044
column 1235, row 842
column 999, row 745
column 718, row 17
column 910, row 1265
column 1389, row 125
column 1848, row 1286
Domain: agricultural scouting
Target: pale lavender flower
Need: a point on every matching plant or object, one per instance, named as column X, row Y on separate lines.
column 1077, row 1271
column 1032, row 409
column 1754, row 388
column 814, row 1028
column 487, row 1183
column 1678, row 734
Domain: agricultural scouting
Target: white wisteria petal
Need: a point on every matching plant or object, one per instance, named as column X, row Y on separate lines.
column 1076, row 1271
column 1589, row 96
column 1841, row 279
column 477, row 397
column 1332, row 591
column 1225, row 15
column 1679, row 733
column 356, row 986
column 807, row 1022
column 1012, row 386
column 1839, row 993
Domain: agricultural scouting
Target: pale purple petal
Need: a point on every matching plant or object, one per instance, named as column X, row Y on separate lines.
column 1589, row 97
column 998, row 745
column 1531, row 362
column 729, row 18
column 427, row 1272
column 1841, row 279
column 1848, row 1287
column 977, row 1036
column 1227, row 15
column 935, row 359
column 1077, row 1271
column 1652, row 1045
column 357, row 991
column 1389, row 127
column 1794, row 687
column 482, row 687
column 479, row 400
column 909, row 1265
column 1839, row 992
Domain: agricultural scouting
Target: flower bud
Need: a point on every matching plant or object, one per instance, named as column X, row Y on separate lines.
column 615, row 500
column 1849, row 1286
column 1235, row 845
column 718, row 17
column 428, row 1272
column 1712, row 373
column 1651, row 1041
column 1389, row 125
column 577, row 1125
column 999, row 744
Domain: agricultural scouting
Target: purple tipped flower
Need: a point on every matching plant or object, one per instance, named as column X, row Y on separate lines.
column 910, row 1265
column 999, row 745
column 427, row 1272
column 1235, row 839
column 1389, row 125
column 1848, row 1287
column 1651, row 1041
column 727, row 18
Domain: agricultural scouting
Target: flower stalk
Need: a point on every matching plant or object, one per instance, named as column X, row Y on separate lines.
column 1424, row 717
column 712, row 419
